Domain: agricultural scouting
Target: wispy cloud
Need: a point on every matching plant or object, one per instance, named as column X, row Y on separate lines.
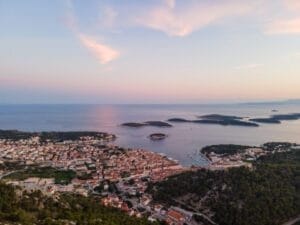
column 107, row 17
column 292, row 5
column 289, row 22
column 170, row 3
column 103, row 53
column 248, row 66
column 285, row 26
column 183, row 20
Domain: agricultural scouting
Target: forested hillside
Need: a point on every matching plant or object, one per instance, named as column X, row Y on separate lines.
column 268, row 194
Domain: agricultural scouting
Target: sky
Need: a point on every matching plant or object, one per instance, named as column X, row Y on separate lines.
column 150, row 51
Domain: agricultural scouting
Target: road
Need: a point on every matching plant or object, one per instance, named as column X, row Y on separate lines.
column 6, row 174
column 195, row 212
column 292, row 221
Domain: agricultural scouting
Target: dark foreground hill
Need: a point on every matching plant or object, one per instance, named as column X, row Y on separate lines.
column 67, row 209
column 268, row 194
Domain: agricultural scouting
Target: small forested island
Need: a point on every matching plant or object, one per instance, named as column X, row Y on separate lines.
column 265, row 120
column 291, row 116
column 227, row 122
column 147, row 123
column 220, row 117
column 277, row 118
column 178, row 120
column 157, row 136
column 224, row 120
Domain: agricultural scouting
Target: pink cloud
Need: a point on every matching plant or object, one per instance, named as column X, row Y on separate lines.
column 103, row 53
column 182, row 21
column 288, row 24
column 249, row 66
column 293, row 5
column 285, row 26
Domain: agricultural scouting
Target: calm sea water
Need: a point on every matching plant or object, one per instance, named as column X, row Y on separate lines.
column 184, row 139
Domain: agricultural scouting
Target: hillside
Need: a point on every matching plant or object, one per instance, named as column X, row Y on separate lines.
column 267, row 194
column 66, row 209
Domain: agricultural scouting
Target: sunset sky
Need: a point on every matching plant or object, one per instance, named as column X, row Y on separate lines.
column 155, row 51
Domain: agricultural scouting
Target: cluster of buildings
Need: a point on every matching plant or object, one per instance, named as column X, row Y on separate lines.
column 243, row 158
column 154, row 212
column 48, row 186
column 120, row 176
column 90, row 158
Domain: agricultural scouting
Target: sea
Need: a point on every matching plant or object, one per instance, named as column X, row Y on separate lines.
column 184, row 139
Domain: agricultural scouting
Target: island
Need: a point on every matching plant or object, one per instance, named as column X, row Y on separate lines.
column 265, row 120
column 133, row 124
column 227, row 122
column 291, row 116
column 157, row 136
column 220, row 117
column 147, row 123
column 277, row 118
column 224, row 120
column 178, row 120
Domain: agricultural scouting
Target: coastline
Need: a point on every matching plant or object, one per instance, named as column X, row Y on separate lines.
column 93, row 166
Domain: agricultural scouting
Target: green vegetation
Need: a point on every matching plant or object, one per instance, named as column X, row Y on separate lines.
column 271, row 146
column 266, row 195
column 15, row 135
column 224, row 149
column 60, row 176
column 35, row 208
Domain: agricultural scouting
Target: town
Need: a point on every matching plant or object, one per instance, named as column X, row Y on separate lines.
column 120, row 176
column 223, row 157
column 93, row 165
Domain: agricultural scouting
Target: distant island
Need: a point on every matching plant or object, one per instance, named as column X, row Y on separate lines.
column 265, row 120
column 178, row 120
column 219, row 119
column 227, row 122
column 277, row 118
column 224, row 120
column 147, row 123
